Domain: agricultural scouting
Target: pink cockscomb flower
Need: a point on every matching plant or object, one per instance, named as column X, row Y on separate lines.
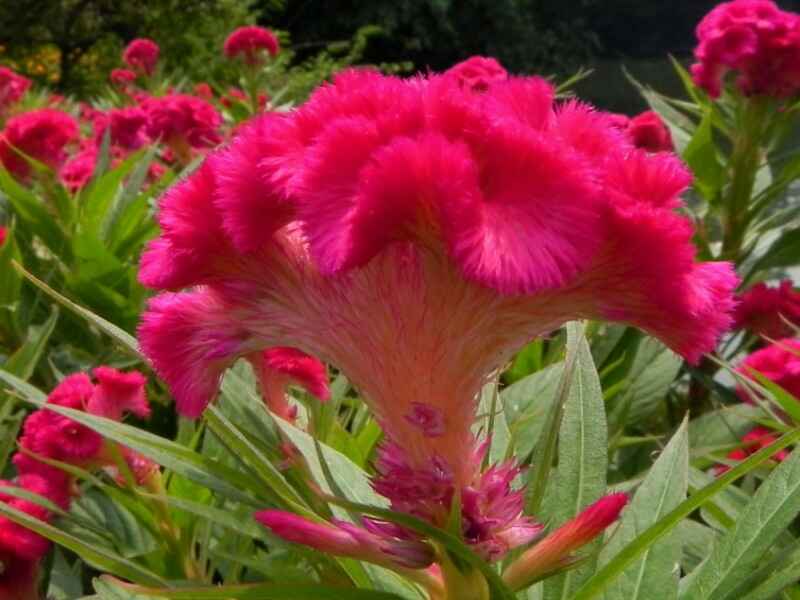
column 251, row 43
column 778, row 362
column 122, row 78
column 183, row 122
column 40, row 134
column 77, row 172
column 3, row 235
column 13, row 87
column 649, row 132
column 127, row 127
column 141, row 55
column 204, row 91
column 415, row 234
column 117, row 393
column 277, row 368
column 769, row 311
column 477, row 73
column 754, row 39
column 556, row 550
column 18, row 578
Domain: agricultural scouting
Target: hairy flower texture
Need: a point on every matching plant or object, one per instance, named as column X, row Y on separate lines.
column 769, row 311
column 778, row 362
column 556, row 550
column 277, row 368
column 183, row 122
column 754, row 39
column 79, row 169
column 13, row 87
column 757, row 439
column 415, row 234
column 477, row 73
column 117, row 393
column 40, row 134
column 345, row 539
column 250, row 43
column 141, row 55
column 648, row 132
column 126, row 127
column 122, row 78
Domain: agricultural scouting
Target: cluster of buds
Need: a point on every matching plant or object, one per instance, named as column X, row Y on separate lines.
column 49, row 437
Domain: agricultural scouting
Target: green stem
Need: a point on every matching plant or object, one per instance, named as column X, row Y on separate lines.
column 463, row 583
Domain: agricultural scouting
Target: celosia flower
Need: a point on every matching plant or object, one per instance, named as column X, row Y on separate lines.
column 415, row 234
column 18, row 577
column 204, row 91
column 13, row 87
column 127, row 127
column 556, row 550
column 477, row 73
column 778, row 362
column 768, row 311
column 183, row 122
column 18, row 540
column 117, row 393
column 3, row 235
column 757, row 439
column 754, row 39
column 250, row 43
column 277, row 368
column 648, row 132
column 77, row 172
column 40, row 134
column 141, row 55
column 122, row 78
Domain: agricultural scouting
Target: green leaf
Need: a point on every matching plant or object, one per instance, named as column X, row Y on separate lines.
column 122, row 337
column 23, row 362
column 32, row 212
column 598, row 582
column 101, row 558
column 129, row 194
column 654, row 574
column 582, row 462
column 774, row 506
column 782, row 253
column 701, row 156
column 653, row 370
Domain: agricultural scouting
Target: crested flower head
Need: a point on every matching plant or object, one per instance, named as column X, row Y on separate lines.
column 13, row 87
column 778, row 362
column 3, row 235
column 277, row 368
column 117, row 393
column 250, row 43
column 39, row 134
column 755, row 440
column 182, row 121
column 122, row 78
column 78, row 170
column 769, row 311
column 141, row 55
column 477, row 72
column 753, row 39
column 648, row 132
column 127, row 127
column 415, row 234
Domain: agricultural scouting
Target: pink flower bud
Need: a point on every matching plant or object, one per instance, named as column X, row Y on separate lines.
column 555, row 551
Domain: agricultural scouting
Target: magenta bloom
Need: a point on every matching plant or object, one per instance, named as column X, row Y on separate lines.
column 415, row 234
column 477, row 73
column 3, row 235
column 648, row 132
column 778, row 362
column 141, row 55
column 40, row 134
column 277, row 368
column 122, row 78
column 755, row 440
column 250, row 43
column 127, row 127
column 13, row 87
column 754, row 39
column 118, row 393
column 764, row 310
column 204, row 91
column 182, row 121
column 77, row 172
